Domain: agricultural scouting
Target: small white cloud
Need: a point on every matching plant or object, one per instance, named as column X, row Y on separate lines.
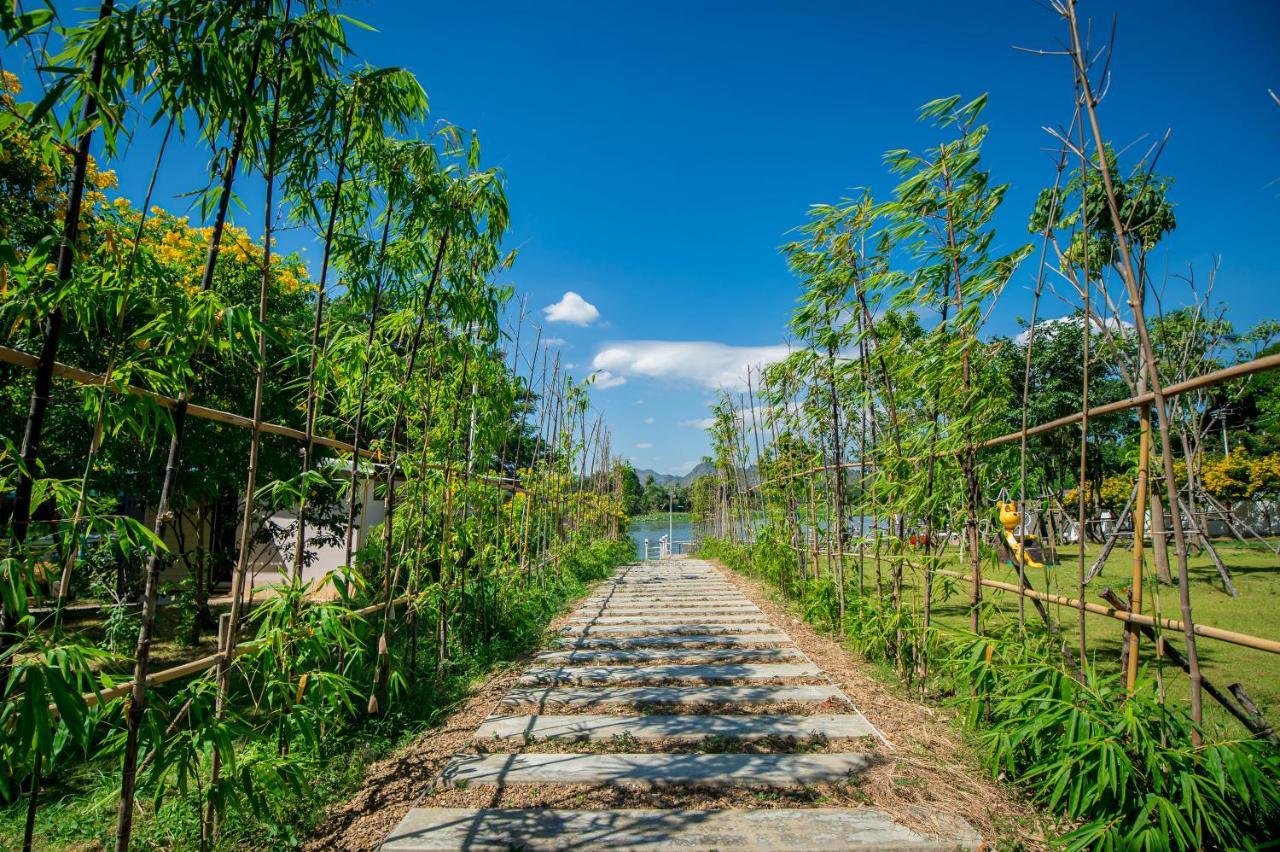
column 644, row 445
column 702, row 363
column 700, row 423
column 553, row 341
column 571, row 366
column 648, row 421
column 604, row 380
column 572, row 309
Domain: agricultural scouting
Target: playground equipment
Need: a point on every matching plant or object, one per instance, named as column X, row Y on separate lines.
column 1025, row 550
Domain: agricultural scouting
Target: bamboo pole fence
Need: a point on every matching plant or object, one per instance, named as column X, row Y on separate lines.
column 18, row 358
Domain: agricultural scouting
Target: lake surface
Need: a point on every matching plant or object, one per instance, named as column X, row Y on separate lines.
column 655, row 527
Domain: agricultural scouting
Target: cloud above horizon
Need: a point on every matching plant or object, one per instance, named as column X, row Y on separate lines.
column 572, row 309
column 702, row 363
column 604, row 380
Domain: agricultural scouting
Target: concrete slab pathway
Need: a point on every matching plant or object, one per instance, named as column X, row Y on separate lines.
column 674, row 637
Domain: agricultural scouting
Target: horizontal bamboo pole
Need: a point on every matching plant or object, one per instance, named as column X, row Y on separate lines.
column 201, row 664
column 1217, row 377
column 1271, row 646
column 1245, row 640
column 65, row 371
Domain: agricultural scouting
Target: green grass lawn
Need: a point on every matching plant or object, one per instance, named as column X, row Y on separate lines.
column 1256, row 611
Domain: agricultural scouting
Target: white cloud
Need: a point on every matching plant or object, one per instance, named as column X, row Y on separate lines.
column 648, row 421
column 553, row 341
column 572, row 309
column 701, row 423
column 702, row 363
column 644, row 445
column 604, row 380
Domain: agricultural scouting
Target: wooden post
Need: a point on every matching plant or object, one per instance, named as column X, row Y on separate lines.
column 1139, row 520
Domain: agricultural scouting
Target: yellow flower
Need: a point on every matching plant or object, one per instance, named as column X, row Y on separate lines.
column 9, row 83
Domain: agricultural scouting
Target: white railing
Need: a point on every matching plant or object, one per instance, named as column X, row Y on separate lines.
column 664, row 548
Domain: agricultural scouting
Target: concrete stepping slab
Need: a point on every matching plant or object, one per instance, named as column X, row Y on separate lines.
column 690, row 627
column 689, row 587
column 784, row 830
column 650, row 600
column 668, row 605
column 596, row 657
column 716, row 696
column 687, row 728
column 714, row 614
column 626, row 594
column 670, row 574
column 672, row 640
column 656, row 770
column 715, row 579
column 723, row 617
column 548, row 675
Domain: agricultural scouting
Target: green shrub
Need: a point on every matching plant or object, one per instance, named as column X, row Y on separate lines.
column 1119, row 769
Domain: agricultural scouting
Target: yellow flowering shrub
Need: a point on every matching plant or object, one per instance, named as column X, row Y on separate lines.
column 181, row 248
column 1227, row 477
column 1264, row 475
column 1114, row 491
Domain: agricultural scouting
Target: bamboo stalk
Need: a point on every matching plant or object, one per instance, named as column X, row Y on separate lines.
column 1139, row 535
column 164, row 513
column 51, row 335
column 1135, row 289
column 255, row 442
column 364, row 387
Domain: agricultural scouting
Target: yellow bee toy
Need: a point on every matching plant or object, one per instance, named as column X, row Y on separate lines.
column 1025, row 551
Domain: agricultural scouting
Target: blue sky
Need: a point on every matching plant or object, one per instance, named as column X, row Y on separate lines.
column 658, row 153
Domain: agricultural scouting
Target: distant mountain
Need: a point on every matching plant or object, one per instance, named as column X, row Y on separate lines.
column 701, row 469
column 660, row 478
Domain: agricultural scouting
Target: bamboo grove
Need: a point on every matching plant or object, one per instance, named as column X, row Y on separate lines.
column 163, row 377
column 886, row 440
